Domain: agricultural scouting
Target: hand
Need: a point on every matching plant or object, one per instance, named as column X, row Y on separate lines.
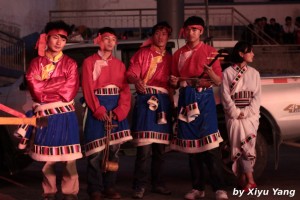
column 101, row 116
column 173, row 81
column 140, row 86
column 241, row 116
column 216, row 80
column 114, row 116
column 208, row 70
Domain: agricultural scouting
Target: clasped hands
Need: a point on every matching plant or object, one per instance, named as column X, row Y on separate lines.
column 105, row 116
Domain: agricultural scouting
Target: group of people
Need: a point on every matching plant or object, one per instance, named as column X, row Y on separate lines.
column 261, row 31
column 53, row 82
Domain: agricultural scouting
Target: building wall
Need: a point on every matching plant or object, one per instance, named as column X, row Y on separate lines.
column 27, row 15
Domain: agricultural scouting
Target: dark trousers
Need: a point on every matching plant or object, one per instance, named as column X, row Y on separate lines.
column 212, row 160
column 96, row 179
column 141, row 165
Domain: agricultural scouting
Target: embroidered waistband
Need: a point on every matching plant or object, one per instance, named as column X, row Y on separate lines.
column 184, row 84
column 53, row 108
column 155, row 90
column 107, row 91
column 242, row 99
column 242, row 94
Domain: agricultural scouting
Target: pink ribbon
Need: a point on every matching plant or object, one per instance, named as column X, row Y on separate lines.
column 147, row 42
column 41, row 44
column 11, row 111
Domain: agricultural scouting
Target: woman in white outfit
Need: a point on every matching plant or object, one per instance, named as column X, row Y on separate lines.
column 241, row 92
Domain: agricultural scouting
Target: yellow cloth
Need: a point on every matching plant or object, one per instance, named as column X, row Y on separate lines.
column 152, row 68
column 48, row 69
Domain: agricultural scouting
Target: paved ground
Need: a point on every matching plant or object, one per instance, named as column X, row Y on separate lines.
column 26, row 185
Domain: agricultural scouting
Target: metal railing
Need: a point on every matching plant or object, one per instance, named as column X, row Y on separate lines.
column 12, row 51
column 225, row 23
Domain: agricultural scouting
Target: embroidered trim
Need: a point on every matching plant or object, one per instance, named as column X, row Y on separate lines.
column 242, row 99
column 150, row 135
column 101, row 142
column 107, row 91
column 119, row 135
column 189, row 113
column 55, row 110
column 153, row 103
column 24, row 141
column 161, row 118
column 198, row 143
column 94, row 144
column 149, row 90
column 243, row 143
column 241, row 71
column 54, row 151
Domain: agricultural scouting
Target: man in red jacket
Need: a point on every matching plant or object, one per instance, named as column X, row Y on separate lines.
column 53, row 82
column 105, row 89
column 149, row 70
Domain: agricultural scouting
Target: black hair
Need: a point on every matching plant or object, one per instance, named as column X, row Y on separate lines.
column 193, row 20
column 241, row 46
column 107, row 30
column 162, row 25
column 56, row 25
column 288, row 18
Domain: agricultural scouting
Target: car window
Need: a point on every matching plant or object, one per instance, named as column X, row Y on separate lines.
column 79, row 54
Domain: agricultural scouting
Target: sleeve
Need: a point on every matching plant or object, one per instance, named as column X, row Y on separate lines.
column 66, row 86
column 35, row 86
column 253, row 108
column 216, row 67
column 62, row 88
column 228, row 104
column 124, row 102
column 134, row 70
column 88, row 89
column 174, row 66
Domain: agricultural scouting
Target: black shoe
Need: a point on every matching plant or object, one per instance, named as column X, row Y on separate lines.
column 70, row 197
column 138, row 193
column 111, row 193
column 49, row 197
column 161, row 190
column 96, row 196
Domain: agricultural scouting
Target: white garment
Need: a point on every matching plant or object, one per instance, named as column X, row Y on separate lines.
column 241, row 129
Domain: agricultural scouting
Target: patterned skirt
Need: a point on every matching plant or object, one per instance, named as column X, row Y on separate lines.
column 199, row 132
column 95, row 133
column 59, row 140
column 152, row 119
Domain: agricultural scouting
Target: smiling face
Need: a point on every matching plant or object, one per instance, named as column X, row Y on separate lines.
column 160, row 38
